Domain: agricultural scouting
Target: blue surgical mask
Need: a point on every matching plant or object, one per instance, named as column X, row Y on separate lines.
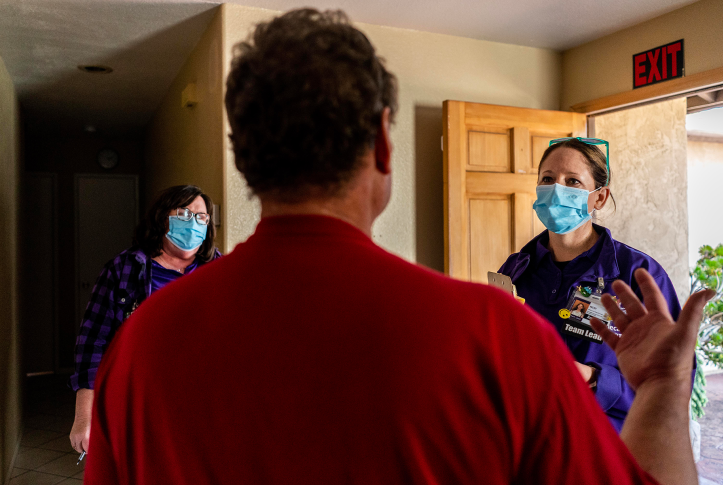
column 186, row 235
column 562, row 209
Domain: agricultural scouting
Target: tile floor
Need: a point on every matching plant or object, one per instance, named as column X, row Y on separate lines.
column 45, row 456
column 710, row 466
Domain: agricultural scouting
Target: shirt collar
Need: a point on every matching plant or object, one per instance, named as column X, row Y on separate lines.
column 139, row 255
column 308, row 225
column 602, row 254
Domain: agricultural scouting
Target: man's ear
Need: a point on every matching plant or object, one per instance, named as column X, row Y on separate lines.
column 383, row 145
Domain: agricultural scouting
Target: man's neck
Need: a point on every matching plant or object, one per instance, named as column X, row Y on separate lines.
column 342, row 208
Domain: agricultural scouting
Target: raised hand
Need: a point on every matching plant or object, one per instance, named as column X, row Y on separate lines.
column 652, row 345
column 655, row 355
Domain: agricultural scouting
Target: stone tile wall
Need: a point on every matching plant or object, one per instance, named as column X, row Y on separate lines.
column 648, row 162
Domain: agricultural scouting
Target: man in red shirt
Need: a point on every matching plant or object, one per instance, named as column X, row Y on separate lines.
column 309, row 355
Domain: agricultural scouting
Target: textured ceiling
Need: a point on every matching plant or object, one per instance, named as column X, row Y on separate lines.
column 550, row 24
column 146, row 44
column 147, row 41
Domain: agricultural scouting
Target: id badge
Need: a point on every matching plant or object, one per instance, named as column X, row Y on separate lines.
column 583, row 305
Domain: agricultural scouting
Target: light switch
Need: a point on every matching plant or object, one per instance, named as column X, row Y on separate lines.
column 188, row 96
column 216, row 215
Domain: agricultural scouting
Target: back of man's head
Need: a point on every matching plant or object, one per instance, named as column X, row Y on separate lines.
column 305, row 98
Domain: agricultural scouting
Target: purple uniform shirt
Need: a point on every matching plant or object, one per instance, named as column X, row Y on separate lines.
column 547, row 290
column 123, row 284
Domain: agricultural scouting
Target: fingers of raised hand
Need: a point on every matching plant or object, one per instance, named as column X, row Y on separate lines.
column 634, row 308
column 619, row 317
column 652, row 296
column 692, row 313
column 607, row 335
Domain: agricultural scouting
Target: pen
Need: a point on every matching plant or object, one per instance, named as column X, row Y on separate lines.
column 82, row 455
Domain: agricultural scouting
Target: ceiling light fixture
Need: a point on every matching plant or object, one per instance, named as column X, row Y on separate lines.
column 96, row 69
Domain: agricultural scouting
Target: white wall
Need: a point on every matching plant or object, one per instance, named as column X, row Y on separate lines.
column 705, row 179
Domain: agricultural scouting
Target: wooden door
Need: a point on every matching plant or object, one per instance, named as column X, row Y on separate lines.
column 491, row 157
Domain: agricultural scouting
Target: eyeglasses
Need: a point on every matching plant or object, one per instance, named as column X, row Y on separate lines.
column 185, row 214
column 589, row 141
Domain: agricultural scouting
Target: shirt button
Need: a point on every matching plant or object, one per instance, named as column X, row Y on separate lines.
column 554, row 291
column 123, row 300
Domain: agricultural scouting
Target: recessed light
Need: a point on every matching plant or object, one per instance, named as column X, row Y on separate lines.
column 96, row 69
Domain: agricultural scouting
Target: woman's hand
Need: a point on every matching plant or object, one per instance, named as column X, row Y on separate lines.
column 80, row 433
column 586, row 371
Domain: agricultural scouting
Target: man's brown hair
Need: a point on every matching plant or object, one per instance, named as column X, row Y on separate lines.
column 304, row 99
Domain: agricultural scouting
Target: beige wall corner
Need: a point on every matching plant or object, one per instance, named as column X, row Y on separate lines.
column 242, row 210
column 430, row 68
column 605, row 66
column 649, row 170
column 184, row 145
column 10, row 396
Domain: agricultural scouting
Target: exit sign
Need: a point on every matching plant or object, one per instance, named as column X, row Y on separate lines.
column 659, row 64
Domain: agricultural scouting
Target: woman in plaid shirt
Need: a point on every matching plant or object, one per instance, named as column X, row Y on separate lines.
column 176, row 237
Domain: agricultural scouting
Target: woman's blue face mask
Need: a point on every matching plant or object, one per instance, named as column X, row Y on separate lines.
column 186, row 235
column 562, row 209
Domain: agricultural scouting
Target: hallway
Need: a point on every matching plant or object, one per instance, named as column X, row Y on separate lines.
column 46, row 457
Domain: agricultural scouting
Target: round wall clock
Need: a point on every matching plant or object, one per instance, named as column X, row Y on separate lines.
column 108, row 158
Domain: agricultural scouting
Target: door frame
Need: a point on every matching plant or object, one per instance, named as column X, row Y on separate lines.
column 76, row 214
column 686, row 86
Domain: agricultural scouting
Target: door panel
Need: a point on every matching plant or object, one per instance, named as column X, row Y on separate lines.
column 539, row 145
column 491, row 158
column 489, row 151
column 491, row 241
column 106, row 215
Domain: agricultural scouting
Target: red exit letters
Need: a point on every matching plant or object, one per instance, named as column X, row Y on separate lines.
column 658, row 64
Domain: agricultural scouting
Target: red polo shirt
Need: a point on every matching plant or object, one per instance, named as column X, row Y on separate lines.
column 310, row 355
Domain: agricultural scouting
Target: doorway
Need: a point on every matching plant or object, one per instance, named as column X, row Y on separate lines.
column 106, row 212
column 648, row 165
column 705, row 173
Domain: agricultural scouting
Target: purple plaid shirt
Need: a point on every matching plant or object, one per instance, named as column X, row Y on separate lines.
column 123, row 284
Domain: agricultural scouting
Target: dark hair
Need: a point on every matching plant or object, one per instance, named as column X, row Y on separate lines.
column 595, row 159
column 153, row 227
column 304, row 99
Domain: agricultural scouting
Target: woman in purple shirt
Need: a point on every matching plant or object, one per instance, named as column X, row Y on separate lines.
column 576, row 260
column 176, row 237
